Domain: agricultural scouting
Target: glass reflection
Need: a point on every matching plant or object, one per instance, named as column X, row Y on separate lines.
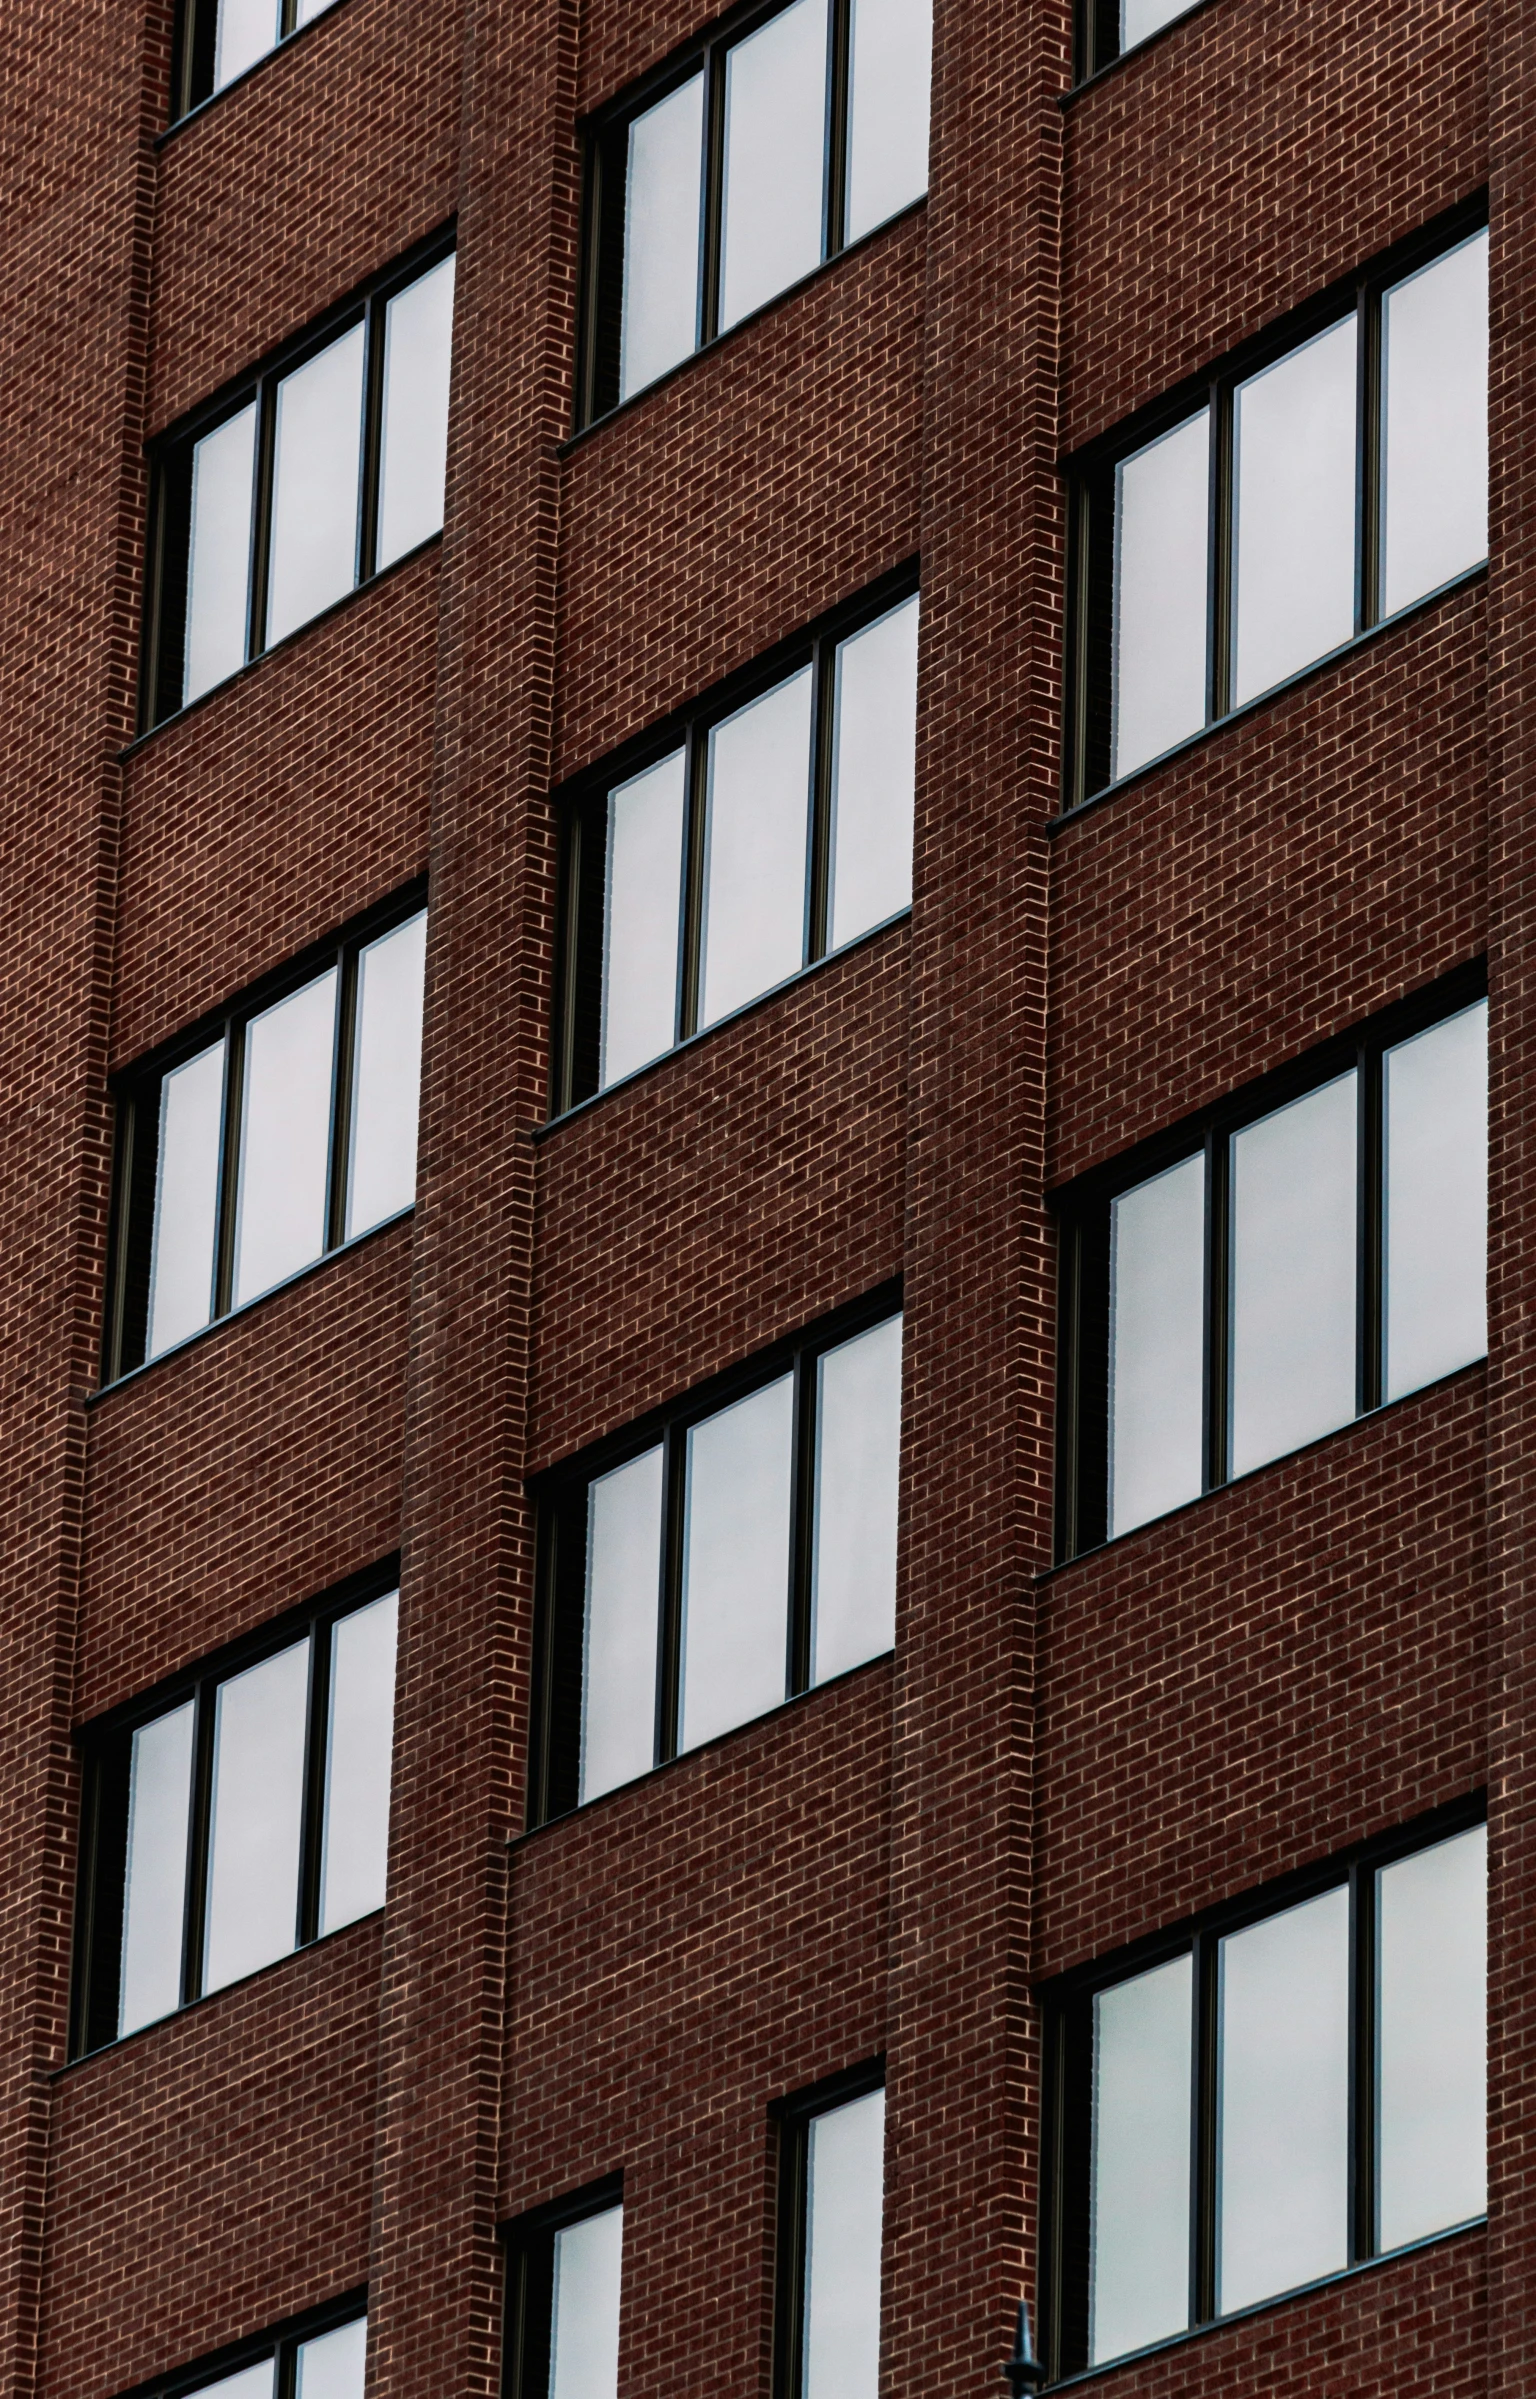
column 659, row 309
column 890, row 45
column 1435, row 1140
column 642, row 915
column 285, row 1134
column 257, row 1805
column 844, row 2202
column 1162, row 576
column 413, row 436
column 1431, row 2101
column 1434, row 424
column 331, row 2365
column 775, row 138
column 584, row 2329
column 1138, row 2287
column 736, row 1564
column 618, row 1680
column 1284, row 2101
column 316, row 465
column 185, row 1237
column 386, row 1076
column 155, row 1882
column 359, row 1749
column 1293, row 582
column 874, row 767
column 1157, row 1345
column 858, row 1463
column 219, row 554
column 755, row 847
column 1294, row 1235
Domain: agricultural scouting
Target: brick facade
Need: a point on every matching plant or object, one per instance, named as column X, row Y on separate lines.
column 1057, row 1759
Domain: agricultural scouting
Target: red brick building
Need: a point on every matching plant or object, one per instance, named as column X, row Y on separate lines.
column 1220, row 808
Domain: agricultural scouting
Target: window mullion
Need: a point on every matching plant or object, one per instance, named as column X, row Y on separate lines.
column 802, row 1506
column 1371, row 1276
column 691, row 945
column 372, row 442
column 261, row 515
column 206, row 1698
column 312, row 1828
column 342, row 1049
column 1368, row 470
column 839, row 45
column 1218, row 1292
column 670, row 1609
column 229, row 1166
column 1362, row 2063
column 1205, row 2129
column 818, row 859
column 712, row 193
column 1221, row 534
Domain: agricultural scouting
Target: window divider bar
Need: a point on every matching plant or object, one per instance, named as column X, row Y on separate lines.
column 261, row 516
column 802, row 1484
column 1362, row 2063
column 342, row 1077
column 695, row 814
column 793, row 2223
column 712, row 193
column 670, row 1610
column 1220, row 577
column 371, row 461
column 1368, row 457
column 1205, row 2143
column 1218, row 1302
column 316, row 1736
column 1371, row 1213
column 229, row 1167
column 835, row 149
column 819, row 862
column 198, row 1832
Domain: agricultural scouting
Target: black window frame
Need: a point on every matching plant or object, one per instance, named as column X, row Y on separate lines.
column 582, row 815
column 135, row 1095
column 1096, row 44
column 1082, row 1212
column 792, row 2119
column 560, row 1498
column 195, row 44
column 167, row 548
column 282, row 2343
column 1065, row 2002
column 103, row 1749
column 604, row 137
column 1090, row 479
column 528, row 2314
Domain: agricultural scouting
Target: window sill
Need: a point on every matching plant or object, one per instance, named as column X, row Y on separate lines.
column 302, row 1274
column 215, row 691
column 1264, row 2307
column 285, row 43
column 190, row 2007
column 1066, row 817
column 680, row 1049
column 703, row 1749
column 1405, row 1399
column 825, row 267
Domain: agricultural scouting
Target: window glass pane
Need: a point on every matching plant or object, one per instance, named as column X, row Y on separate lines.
column 413, row 452
column 659, row 311
column 1138, row 2287
column 1284, row 2170
column 219, row 556
column 1162, row 576
column 775, row 138
column 584, row 2332
column 252, row 2382
column 1431, row 1977
column 642, row 912
column 1435, row 1135
column 1139, row 18
column 331, row 2365
column 311, row 8
column 386, row 1076
column 755, row 846
column 315, row 469
column 736, row 1564
column 1434, row 424
column 874, row 764
column 247, row 30
column 845, row 2190
column 889, row 53
column 858, row 1463
column 1293, row 1275
column 186, row 1199
column 359, row 1745
column 1293, row 583
column 155, row 1887
column 618, row 1682
column 253, row 1838
column 285, row 1137
column 1156, row 1345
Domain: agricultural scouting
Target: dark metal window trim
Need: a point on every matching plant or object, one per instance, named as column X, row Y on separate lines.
column 559, row 1495
column 582, row 803
column 192, row 57
column 102, row 1749
column 603, row 137
column 1082, row 1210
column 1065, row 2001
column 792, row 2119
column 135, row 1090
column 1096, row 47
column 170, row 462
column 529, row 2243
column 282, row 2343
column 1090, row 474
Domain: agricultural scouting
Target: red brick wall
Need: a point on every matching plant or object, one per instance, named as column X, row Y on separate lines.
column 1054, row 1762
